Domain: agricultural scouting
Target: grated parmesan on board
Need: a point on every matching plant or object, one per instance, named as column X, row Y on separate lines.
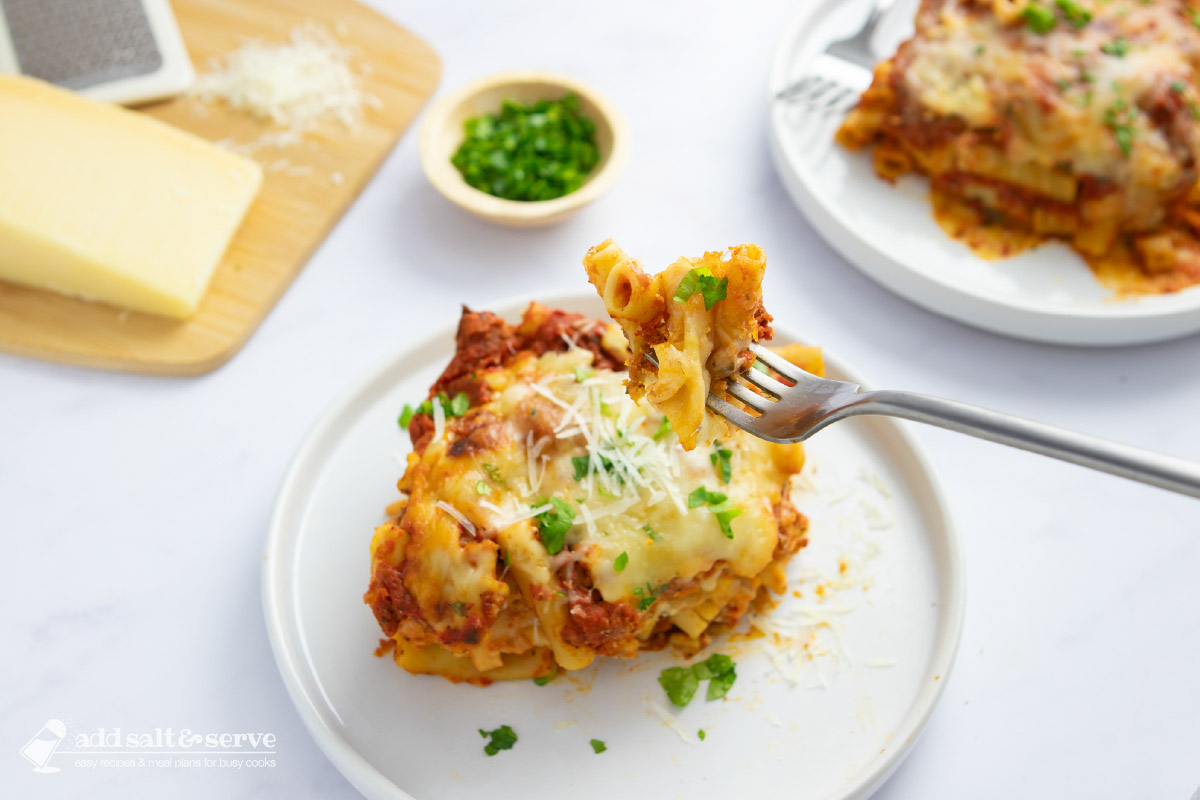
column 295, row 85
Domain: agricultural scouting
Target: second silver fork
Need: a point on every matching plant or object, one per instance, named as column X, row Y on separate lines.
column 827, row 95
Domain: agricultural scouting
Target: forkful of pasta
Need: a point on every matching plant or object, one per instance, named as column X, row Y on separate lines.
column 694, row 332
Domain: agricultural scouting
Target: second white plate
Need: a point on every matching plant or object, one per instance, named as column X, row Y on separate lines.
column 868, row 647
column 1048, row 294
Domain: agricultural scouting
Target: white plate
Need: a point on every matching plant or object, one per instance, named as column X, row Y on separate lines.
column 1048, row 294
column 395, row 735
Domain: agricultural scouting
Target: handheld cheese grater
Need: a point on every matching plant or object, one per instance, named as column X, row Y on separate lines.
column 117, row 51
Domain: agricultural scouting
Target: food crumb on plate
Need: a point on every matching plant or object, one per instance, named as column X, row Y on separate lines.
column 879, row 663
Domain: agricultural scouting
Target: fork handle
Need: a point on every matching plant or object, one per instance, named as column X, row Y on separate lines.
column 1134, row 463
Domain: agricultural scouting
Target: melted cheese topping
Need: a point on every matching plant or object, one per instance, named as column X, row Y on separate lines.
column 634, row 496
column 555, row 521
column 1060, row 89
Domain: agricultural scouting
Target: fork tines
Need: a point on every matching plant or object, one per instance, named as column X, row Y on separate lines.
column 776, row 362
column 822, row 94
column 773, row 388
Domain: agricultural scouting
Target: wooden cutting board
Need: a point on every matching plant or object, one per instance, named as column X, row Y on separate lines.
column 307, row 188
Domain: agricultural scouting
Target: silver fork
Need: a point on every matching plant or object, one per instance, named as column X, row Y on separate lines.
column 826, row 95
column 794, row 413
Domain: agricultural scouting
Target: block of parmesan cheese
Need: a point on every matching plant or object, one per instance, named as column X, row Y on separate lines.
column 108, row 204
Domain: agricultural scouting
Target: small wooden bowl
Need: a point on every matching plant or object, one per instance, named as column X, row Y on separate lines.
column 442, row 133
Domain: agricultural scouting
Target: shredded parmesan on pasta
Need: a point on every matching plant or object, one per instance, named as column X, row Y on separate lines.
column 439, row 420
column 625, row 464
column 521, row 517
column 295, row 85
column 458, row 515
column 495, row 509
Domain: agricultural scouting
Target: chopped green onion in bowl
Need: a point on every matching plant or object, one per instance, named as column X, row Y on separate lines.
column 529, row 152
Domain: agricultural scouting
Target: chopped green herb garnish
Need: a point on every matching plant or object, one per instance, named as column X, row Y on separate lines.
column 554, row 523
column 583, row 373
column 1078, row 53
column 451, row 407
column 1124, row 136
column 702, row 280
column 761, row 367
column 979, row 49
column 1178, row 87
column 702, row 497
column 1074, row 13
column 1117, row 47
column 583, row 466
column 621, row 562
column 715, row 664
column 1119, row 120
column 1039, row 18
column 537, row 151
column 543, row 680
column 681, row 683
column 646, row 597
column 481, row 487
column 598, row 746
column 664, row 428
column 724, row 518
column 1194, row 16
column 720, row 671
column 1192, row 107
column 721, row 459
column 493, row 473
column 503, row 738
column 702, row 734
column 459, row 405
column 720, row 685
column 717, row 503
column 460, row 608
column 653, row 534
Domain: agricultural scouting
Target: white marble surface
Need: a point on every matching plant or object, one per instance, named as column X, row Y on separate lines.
column 133, row 509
